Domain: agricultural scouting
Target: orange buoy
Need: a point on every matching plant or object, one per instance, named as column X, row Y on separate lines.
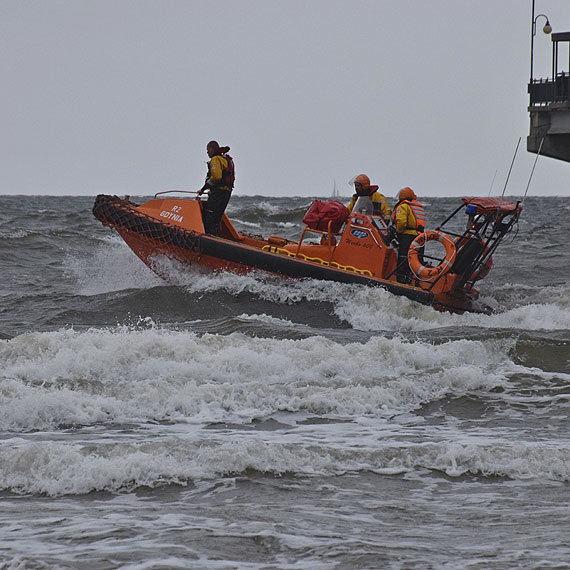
column 431, row 273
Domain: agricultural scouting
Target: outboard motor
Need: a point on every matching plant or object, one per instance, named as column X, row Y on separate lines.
column 467, row 254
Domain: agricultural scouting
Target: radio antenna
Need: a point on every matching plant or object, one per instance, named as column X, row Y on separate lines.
column 532, row 171
column 492, row 183
column 511, row 168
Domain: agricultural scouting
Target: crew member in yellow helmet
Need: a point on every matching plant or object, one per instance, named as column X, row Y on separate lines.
column 409, row 220
column 363, row 187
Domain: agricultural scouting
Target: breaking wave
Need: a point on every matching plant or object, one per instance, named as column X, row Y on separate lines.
column 374, row 309
column 63, row 469
column 82, row 378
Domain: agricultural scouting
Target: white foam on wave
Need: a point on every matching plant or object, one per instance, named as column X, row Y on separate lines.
column 112, row 267
column 268, row 320
column 246, row 224
column 16, row 234
column 375, row 309
column 71, row 469
column 122, row 375
column 268, row 207
column 534, row 295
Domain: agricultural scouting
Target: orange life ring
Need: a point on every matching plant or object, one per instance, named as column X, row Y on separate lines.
column 431, row 273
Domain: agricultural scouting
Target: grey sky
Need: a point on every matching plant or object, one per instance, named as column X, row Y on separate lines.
column 121, row 96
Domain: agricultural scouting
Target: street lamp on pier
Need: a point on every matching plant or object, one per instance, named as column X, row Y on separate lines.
column 546, row 29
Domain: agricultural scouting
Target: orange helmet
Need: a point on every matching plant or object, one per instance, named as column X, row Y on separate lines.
column 364, row 180
column 406, row 194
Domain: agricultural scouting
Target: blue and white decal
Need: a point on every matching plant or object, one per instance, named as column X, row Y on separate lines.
column 360, row 234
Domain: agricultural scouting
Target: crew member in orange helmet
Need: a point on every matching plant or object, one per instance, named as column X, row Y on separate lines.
column 408, row 220
column 364, row 188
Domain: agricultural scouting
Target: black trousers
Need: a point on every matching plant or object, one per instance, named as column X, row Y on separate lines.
column 214, row 209
column 403, row 272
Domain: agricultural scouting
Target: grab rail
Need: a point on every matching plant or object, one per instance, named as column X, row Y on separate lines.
column 181, row 191
column 328, row 233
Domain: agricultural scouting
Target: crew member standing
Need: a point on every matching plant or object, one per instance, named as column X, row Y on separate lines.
column 379, row 203
column 409, row 220
column 220, row 183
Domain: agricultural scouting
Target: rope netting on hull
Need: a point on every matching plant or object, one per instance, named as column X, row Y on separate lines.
column 112, row 211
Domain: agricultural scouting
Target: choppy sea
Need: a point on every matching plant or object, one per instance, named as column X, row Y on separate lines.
column 223, row 421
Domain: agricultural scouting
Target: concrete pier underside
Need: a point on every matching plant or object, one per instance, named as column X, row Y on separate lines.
column 552, row 123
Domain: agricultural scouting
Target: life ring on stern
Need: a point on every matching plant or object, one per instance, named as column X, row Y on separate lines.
column 431, row 273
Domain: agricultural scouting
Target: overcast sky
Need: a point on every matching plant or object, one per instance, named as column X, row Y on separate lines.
column 121, row 96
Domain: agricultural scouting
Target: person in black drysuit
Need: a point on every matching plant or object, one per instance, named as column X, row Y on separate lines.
column 220, row 183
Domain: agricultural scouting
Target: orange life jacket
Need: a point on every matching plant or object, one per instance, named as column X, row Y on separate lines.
column 417, row 210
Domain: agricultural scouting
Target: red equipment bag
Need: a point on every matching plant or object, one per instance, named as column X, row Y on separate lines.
column 321, row 213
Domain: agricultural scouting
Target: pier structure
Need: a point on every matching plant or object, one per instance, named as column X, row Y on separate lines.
column 549, row 106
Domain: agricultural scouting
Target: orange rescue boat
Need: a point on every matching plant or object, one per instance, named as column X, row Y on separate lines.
column 359, row 250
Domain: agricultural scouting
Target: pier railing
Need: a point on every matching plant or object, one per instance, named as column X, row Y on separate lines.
column 546, row 91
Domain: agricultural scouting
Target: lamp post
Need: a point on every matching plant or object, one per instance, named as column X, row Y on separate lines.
column 546, row 29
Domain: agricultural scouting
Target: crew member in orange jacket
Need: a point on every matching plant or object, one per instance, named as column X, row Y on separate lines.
column 364, row 188
column 220, row 183
column 408, row 220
